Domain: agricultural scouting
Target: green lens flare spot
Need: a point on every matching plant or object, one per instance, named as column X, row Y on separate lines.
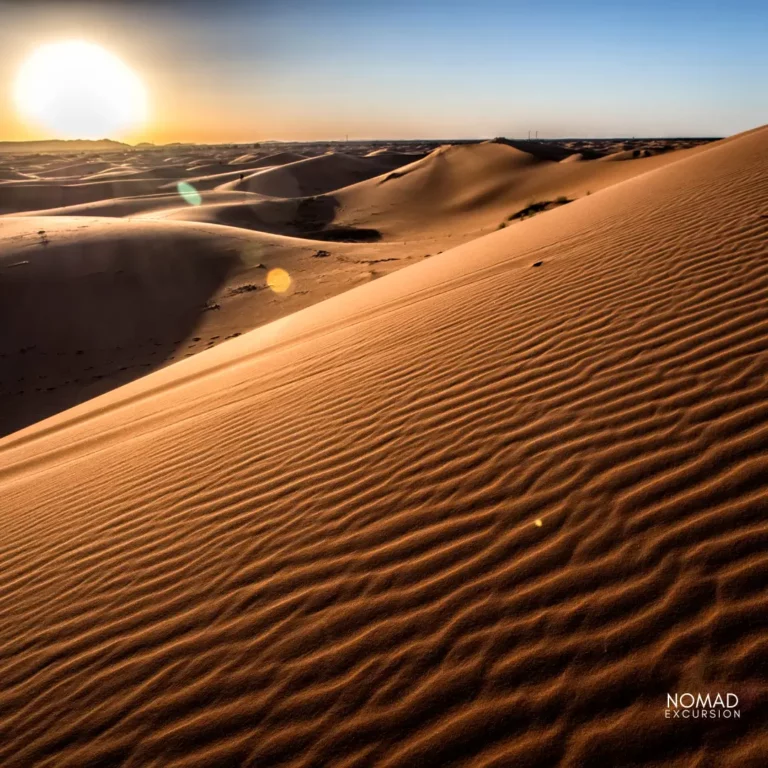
column 188, row 193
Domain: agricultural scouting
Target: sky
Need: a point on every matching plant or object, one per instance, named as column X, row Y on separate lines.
column 241, row 71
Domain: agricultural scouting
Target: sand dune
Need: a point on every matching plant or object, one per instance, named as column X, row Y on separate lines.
column 316, row 175
column 74, row 170
column 405, row 157
column 139, row 204
column 33, row 195
column 327, row 243
column 162, row 172
column 248, row 157
column 90, row 303
column 455, row 194
column 265, row 159
column 8, row 174
column 327, row 246
column 479, row 512
column 539, row 149
column 94, row 303
column 216, row 180
column 461, row 192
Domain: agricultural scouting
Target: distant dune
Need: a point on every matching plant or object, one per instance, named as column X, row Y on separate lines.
column 61, row 145
column 33, row 194
column 316, row 175
column 488, row 510
column 461, row 192
column 427, row 205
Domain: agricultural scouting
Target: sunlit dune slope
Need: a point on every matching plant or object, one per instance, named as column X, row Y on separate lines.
column 315, row 175
column 479, row 512
column 467, row 190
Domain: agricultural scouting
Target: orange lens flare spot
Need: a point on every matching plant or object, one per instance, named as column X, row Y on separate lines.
column 279, row 280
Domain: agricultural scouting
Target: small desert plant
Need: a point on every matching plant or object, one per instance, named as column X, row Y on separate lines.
column 246, row 288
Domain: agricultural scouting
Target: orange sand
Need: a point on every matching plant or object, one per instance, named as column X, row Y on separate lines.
column 475, row 512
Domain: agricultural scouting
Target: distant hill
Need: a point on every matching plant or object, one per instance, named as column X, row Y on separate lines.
column 60, row 145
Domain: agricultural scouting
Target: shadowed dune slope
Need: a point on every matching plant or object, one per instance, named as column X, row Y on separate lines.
column 131, row 206
column 75, row 170
column 87, row 304
column 8, row 174
column 539, row 149
column 37, row 195
column 474, row 513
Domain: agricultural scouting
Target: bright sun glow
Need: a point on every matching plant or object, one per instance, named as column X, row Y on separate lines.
column 77, row 90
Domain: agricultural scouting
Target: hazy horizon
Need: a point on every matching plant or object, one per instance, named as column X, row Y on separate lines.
column 235, row 72
column 362, row 140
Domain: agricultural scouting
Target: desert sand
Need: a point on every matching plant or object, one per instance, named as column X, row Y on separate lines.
column 109, row 273
column 488, row 509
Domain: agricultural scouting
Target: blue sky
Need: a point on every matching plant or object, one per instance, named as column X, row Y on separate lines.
column 236, row 71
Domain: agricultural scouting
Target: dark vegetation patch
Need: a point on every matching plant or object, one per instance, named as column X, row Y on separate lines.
column 346, row 235
column 245, row 288
column 534, row 208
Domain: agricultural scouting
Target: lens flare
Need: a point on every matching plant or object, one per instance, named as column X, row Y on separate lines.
column 188, row 193
column 278, row 280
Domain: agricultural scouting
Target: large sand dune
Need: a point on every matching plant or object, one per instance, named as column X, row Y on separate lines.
column 468, row 190
column 21, row 196
column 328, row 243
column 316, row 175
column 454, row 195
column 90, row 303
column 488, row 510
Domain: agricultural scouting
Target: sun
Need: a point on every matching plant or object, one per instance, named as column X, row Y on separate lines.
column 78, row 90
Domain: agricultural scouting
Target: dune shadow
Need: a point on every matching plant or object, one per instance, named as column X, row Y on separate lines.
column 311, row 218
column 80, row 321
column 346, row 235
column 314, row 219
